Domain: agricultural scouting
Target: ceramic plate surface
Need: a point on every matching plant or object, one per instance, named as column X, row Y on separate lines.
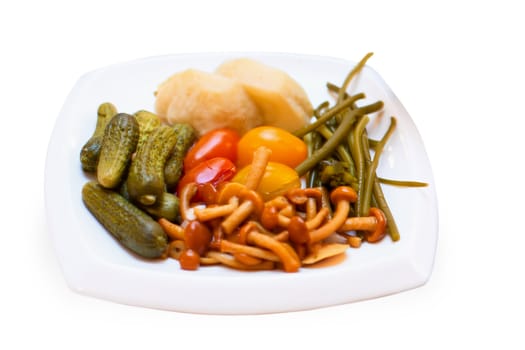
column 94, row 264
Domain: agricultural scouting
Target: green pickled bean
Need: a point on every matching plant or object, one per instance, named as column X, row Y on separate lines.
column 380, row 200
column 370, row 176
column 338, row 137
column 341, row 150
column 359, row 66
column 314, row 142
column 402, row 183
column 321, row 109
column 372, row 143
column 340, row 133
column 359, row 159
column 334, row 89
column 329, row 114
column 393, row 231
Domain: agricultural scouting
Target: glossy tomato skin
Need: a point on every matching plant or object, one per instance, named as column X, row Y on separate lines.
column 209, row 172
column 286, row 148
column 216, row 143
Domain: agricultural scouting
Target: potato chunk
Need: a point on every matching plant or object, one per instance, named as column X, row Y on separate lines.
column 206, row 101
column 282, row 101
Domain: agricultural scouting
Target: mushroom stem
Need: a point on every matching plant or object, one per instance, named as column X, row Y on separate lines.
column 239, row 215
column 311, row 208
column 247, row 259
column 210, row 213
column 374, row 225
column 361, row 223
column 186, row 195
column 280, row 202
column 231, row 247
column 318, row 219
column 173, row 230
column 338, row 219
column 311, row 224
column 251, row 201
column 342, row 197
column 261, row 156
column 290, row 262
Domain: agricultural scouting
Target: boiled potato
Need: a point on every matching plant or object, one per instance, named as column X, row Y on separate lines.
column 282, row 101
column 206, row 101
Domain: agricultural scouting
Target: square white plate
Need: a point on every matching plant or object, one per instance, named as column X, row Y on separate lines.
column 94, row 264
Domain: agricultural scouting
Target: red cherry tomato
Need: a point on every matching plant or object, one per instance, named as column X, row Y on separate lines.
column 286, row 148
column 212, row 171
column 216, row 143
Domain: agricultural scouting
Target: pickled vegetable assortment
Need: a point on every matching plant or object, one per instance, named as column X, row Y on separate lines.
column 258, row 199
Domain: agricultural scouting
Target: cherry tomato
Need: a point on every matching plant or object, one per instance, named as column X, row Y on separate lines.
column 216, row 143
column 286, row 148
column 277, row 179
column 212, row 171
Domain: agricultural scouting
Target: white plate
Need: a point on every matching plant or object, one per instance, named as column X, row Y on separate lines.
column 94, row 264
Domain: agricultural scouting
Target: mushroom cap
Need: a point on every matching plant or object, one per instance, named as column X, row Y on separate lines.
column 298, row 230
column 228, row 190
column 270, row 217
column 346, row 193
column 380, row 230
column 255, row 198
column 301, row 195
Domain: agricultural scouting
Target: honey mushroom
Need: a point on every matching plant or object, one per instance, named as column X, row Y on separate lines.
column 174, row 231
column 374, row 225
column 302, row 213
column 300, row 231
column 312, row 199
column 298, row 225
column 301, row 195
column 341, row 197
column 261, row 157
column 213, row 212
column 231, row 261
column 311, row 224
column 274, row 213
column 250, row 200
column 187, row 193
column 266, row 247
column 280, row 210
column 236, row 248
column 247, row 259
column 235, row 203
column 286, row 254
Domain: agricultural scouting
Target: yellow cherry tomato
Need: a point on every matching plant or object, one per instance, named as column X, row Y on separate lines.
column 277, row 179
column 286, row 148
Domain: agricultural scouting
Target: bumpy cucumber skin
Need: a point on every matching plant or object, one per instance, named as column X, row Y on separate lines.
column 90, row 152
column 133, row 228
column 148, row 121
column 118, row 145
column 186, row 136
column 145, row 180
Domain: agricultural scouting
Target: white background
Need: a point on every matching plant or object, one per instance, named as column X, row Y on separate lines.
column 457, row 66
